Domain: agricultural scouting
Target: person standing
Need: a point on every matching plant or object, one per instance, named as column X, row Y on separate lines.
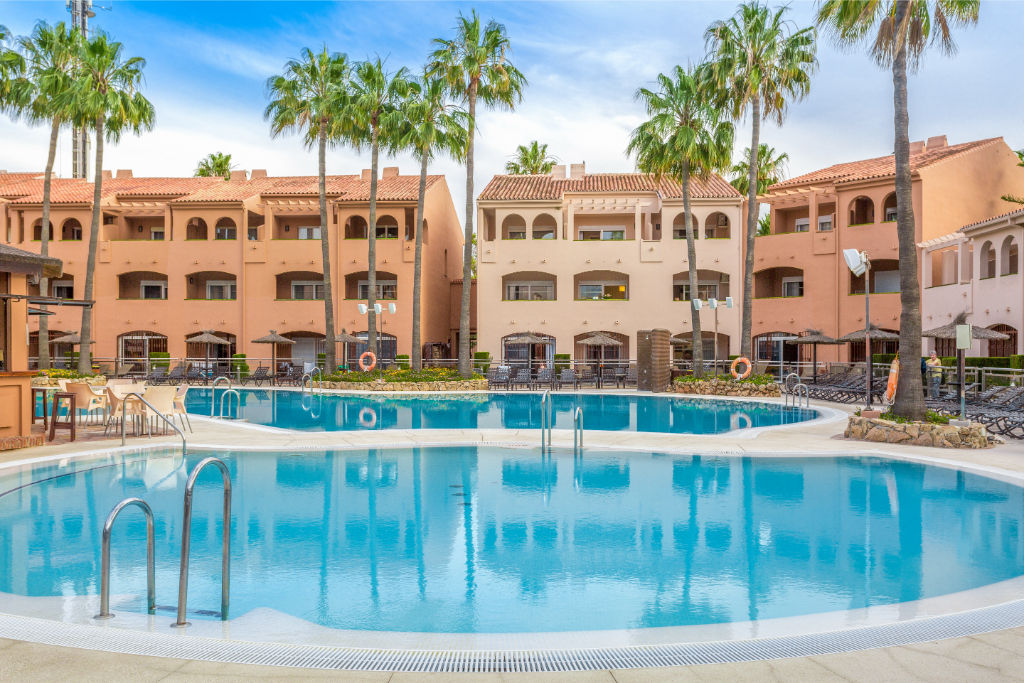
column 934, row 365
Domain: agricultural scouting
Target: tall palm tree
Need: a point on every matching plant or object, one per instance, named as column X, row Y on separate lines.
column 214, row 165
column 759, row 62
column 104, row 96
column 532, row 159
column 1011, row 197
column 310, row 97
column 771, row 169
column 373, row 120
column 900, row 31
column 684, row 137
column 49, row 59
column 431, row 124
column 475, row 65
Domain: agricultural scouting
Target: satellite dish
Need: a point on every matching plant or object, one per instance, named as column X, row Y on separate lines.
column 856, row 261
column 697, row 303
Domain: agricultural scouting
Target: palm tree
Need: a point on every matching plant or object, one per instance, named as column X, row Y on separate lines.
column 49, row 71
column 1010, row 197
column 310, row 97
column 758, row 63
column 475, row 65
column 899, row 31
column 771, row 169
column 373, row 120
column 104, row 96
column 214, row 165
column 431, row 124
column 685, row 137
column 532, row 159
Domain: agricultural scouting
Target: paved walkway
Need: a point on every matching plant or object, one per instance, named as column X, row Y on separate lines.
column 993, row 656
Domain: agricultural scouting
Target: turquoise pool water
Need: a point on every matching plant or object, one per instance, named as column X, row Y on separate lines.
column 608, row 412
column 507, row 540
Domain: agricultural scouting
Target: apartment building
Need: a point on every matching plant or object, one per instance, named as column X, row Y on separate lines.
column 564, row 256
column 976, row 271
column 800, row 278
column 239, row 257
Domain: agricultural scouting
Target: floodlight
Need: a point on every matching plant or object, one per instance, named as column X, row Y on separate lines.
column 712, row 303
column 378, row 309
column 362, row 309
column 697, row 303
column 856, row 261
column 728, row 302
column 392, row 309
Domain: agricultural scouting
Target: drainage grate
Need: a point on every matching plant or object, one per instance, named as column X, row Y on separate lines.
column 973, row 622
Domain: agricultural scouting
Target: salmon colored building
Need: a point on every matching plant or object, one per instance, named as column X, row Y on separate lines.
column 563, row 257
column 800, row 278
column 238, row 257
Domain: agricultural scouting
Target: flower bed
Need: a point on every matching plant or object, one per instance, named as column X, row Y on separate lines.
column 451, row 385
column 400, row 379
column 50, row 381
column 759, row 386
column 878, row 430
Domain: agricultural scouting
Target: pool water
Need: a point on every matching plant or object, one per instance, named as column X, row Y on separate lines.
column 606, row 412
column 492, row 540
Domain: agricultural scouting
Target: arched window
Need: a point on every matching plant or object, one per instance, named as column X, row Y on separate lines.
column 1008, row 257
column 778, row 282
column 138, row 344
column 513, row 227
column 299, row 285
column 225, row 230
column 716, row 226
column 862, row 211
column 141, row 284
column 71, row 231
column 544, row 227
column 37, row 232
column 355, row 228
column 357, row 286
column 988, row 261
column 195, row 229
column 528, row 285
column 1003, row 347
column 212, row 285
column 679, row 227
column 889, row 207
column 387, row 228
column 711, row 284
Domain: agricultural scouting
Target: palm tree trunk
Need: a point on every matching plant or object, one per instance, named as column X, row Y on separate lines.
column 330, row 358
column 465, row 362
column 84, row 350
column 748, row 264
column 417, row 270
column 44, row 245
column 371, row 250
column 909, row 402
column 691, row 256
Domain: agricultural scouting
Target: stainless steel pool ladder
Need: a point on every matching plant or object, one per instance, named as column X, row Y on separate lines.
column 545, row 419
column 577, row 432
column 309, row 375
column 238, row 402
column 124, row 415
column 150, row 558
column 800, row 393
column 213, row 391
column 186, row 540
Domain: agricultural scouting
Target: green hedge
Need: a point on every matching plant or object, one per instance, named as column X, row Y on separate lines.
column 561, row 362
column 239, row 368
column 753, row 379
column 401, row 375
column 160, row 359
column 402, row 360
column 481, row 361
column 1015, row 361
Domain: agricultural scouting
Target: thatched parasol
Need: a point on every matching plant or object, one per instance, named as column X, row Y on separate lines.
column 346, row 339
column 949, row 331
column 70, row 338
column 813, row 337
column 876, row 335
column 526, row 338
column 207, row 337
column 275, row 339
column 599, row 339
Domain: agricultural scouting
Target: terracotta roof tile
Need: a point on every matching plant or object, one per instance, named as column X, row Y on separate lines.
column 1014, row 214
column 879, row 167
column 539, row 187
column 352, row 188
column 62, row 191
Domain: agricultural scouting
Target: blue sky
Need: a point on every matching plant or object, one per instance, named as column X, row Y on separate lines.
column 207, row 63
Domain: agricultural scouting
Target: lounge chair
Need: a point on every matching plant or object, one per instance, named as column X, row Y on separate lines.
column 176, row 375
column 547, row 378
column 609, row 377
column 587, row 376
column 499, row 377
column 521, row 377
column 630, row 379
column 568, row 378
column 259, row 376
column 157, row 375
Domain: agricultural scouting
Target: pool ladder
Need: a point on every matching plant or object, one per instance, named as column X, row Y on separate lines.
column 545, row 420
column 577, row 432
column 799, row 393
column 309, row 375
column 186, row 541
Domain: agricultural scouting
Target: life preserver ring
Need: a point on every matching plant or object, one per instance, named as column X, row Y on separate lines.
column 894, row 379
column 734, row 421
column 367, row 417
column 367, row 366
column 737, row 361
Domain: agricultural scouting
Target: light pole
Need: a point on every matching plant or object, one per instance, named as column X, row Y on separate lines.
column 713, row 304
column 859, row 264
column 379, row 310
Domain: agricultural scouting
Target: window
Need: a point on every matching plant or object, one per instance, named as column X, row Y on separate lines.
column 530, row 291
column 516, row 232
column 156, row 232
column 802, row 225
column 220, row 289
column 792, row 286
column 384, row 232
column 825, row 223
column 225, row 232
column 597, row 291
column 543, row 232
column 73, row 230
column 602, row 234
column 152, row 289
column 890, row 215
column 64, row 289
column 254, row 234
column 307, row 290
column 386, row 289
column 887, row 281
column 312, row 232
column 705, row 290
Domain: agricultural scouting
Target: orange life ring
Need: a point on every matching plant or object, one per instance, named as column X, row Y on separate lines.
column 894, row 378
column 367, row 417
column 737, row 361
column 367, row 366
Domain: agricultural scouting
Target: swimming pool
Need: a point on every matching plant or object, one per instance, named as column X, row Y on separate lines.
column 605, row 412
column 503, row 539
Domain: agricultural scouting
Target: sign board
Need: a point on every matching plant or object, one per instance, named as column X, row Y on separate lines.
column 963, row 336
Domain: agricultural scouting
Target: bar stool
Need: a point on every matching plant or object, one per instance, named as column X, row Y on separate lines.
column 55, row 421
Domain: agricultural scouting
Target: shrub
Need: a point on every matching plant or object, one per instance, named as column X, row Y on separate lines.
column 160, row 359
column 400, row 375
column 239, row 367
column 402, row 360
column 561, row 362
column 321, row 361
column 55, row 373
column 753, row 379
column 931, row 416
column 481, row 361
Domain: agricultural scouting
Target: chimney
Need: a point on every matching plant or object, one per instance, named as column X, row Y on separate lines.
column 107, row 175
column 389, row 172
column 239, row 176
column 558, row 171
column 258, row 173
column 578, row 170
column 936, row 142
column 366, row 175
column 124, row 173
column 917, row 147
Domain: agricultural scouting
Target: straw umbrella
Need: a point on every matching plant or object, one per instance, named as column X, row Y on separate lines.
column 346, row 339
column 876, row 335
column 273, row 338
column 602, row 340
column 72, row 338
column 813, row 337
column 949, row 331
column 208, row 338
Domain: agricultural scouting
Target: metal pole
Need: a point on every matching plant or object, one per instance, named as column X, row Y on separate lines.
column 867, row 336
column 716, row 342
column 150, row 558
column 960, row 362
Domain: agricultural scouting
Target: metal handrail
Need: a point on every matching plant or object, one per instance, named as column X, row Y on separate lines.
column 186, row 541
column 545, row 418
column 124, row 415
column 150, row 558
column 800, row 393
column 238, row 402
column 213, row 391
column 577, row 431
column 320, row 380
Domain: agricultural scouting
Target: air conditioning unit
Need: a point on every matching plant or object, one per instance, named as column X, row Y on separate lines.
column 802, row 225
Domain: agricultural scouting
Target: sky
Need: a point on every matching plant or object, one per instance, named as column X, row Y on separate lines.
column 207, row 64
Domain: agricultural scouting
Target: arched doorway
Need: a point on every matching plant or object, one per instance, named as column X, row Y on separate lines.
column 1003, row 347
